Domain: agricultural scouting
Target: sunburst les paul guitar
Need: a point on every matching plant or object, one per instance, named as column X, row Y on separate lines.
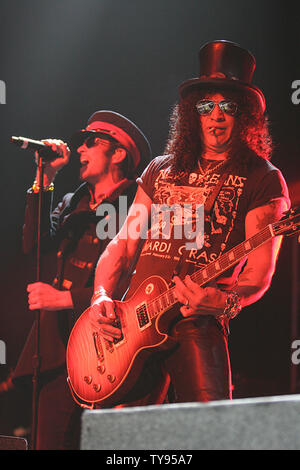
column 100, row 372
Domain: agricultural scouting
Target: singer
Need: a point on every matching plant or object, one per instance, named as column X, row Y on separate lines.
column 111, row 150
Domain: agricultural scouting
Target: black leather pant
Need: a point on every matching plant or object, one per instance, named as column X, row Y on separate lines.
column 199, row 367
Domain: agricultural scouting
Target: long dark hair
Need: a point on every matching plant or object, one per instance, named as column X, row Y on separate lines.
column 251, row 136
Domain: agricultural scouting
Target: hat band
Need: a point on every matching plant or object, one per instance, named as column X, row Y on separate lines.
column 220, row 75
column 118, row 134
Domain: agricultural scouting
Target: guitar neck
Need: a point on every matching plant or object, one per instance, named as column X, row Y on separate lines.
column 168, row 299
column 232, row 257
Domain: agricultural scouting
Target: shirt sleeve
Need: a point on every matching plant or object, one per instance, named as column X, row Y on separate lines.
column 268, row 187
column 150, row 174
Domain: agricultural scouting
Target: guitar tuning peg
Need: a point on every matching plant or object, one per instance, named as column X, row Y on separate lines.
column 294, row 210
column 292, row 234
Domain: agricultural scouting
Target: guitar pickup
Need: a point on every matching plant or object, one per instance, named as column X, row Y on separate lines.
column 142, row 316
column 117, row 324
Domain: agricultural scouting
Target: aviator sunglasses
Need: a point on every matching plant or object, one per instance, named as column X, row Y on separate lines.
column 205, row 107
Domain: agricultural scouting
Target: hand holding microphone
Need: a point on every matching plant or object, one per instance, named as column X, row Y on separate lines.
column 62, row 153
column 55, row 153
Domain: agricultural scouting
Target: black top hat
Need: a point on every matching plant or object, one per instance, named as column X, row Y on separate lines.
column 225, row 65
column 120, row 129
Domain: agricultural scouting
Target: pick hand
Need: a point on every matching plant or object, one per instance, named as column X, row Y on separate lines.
column 102, row 316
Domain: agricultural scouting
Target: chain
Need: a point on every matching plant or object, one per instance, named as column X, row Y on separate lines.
column 210, row 168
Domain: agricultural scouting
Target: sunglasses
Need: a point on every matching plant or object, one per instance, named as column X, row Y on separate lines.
column 94, row 140
column 205, row 107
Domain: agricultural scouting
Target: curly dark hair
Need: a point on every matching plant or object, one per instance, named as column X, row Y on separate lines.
column 251, row 136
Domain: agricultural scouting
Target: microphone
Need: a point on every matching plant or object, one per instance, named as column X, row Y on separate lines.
column 44, row 150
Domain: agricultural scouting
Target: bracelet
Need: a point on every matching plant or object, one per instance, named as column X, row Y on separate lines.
column 232, row 308
column 98, row 293
column 36, row 188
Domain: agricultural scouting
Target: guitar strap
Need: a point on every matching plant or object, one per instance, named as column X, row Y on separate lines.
column 208, row 206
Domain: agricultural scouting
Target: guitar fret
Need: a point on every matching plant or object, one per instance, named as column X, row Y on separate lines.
column 247, row 245
column 164, row 301
column 151, row 310
column 204, row 273
column 157, row 305
column 239, row 252
column 223, row 261
column 171, row 295
column 211, row 270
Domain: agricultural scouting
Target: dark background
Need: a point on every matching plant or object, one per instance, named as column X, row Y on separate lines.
column 61, row 60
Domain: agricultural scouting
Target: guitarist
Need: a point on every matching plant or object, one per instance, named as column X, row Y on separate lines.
column 111, row 149
column 218, row 154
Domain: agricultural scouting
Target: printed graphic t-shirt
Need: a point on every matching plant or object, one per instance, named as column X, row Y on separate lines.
column 178, row 212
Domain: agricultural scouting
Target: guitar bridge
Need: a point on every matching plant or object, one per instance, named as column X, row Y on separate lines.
column 98, row 346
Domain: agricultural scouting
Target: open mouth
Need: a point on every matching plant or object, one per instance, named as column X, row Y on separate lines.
column 84, row 163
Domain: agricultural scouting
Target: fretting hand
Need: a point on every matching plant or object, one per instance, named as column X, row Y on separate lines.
column 197, row 300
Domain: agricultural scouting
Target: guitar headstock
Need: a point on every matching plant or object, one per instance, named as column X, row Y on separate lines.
column 289, row 224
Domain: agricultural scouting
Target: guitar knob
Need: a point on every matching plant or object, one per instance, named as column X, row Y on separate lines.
column 97, row 387
column 111, row 378
column 88, row 379
column 101, row 369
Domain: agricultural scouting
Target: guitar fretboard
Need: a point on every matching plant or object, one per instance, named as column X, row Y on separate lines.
column 167, row 299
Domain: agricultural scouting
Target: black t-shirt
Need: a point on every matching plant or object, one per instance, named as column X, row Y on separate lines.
column 182, row 197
